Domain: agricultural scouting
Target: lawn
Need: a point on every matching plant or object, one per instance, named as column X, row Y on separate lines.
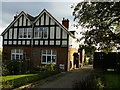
column 12, row 81
column 112, row 79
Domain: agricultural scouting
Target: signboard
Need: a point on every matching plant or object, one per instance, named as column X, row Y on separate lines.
column 62, row 66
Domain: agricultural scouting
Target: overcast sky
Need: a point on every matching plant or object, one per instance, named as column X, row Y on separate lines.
column 57, row 9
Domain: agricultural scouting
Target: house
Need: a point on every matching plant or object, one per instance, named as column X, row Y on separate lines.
column 41, row 39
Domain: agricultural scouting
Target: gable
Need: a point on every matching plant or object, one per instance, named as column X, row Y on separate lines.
column 44, row 16
column 21, row 20
column 55, row 30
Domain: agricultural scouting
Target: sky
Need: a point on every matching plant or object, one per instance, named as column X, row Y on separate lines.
column 58, row 9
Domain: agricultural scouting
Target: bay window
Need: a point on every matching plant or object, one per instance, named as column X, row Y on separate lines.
column 41, row 33
column 16, row 54
column 48, row 56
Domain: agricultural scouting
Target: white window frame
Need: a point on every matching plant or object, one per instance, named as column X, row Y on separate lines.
column 41, row 33
column 48, row 55
column 15, row 53
column 23, row 30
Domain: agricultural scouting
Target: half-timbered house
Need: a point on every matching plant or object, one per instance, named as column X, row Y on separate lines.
column 41, row 39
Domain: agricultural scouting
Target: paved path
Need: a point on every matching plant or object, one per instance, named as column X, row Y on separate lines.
column 68, row 79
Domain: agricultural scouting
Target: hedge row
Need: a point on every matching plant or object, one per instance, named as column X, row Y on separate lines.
column 107, row 61
column 10, row 67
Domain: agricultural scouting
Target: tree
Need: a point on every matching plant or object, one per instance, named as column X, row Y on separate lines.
column 102, row 19
column 89, row 50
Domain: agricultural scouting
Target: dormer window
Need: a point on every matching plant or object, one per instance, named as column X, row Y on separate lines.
column 41, row 33
column 25, row 33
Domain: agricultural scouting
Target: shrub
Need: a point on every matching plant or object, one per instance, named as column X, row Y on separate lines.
column 50, row 67
column 15, row 67
column 47, row 67
column 5, row 71
column 91, row 82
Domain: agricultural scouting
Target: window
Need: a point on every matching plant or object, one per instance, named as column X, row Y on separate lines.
column 48, row 56
column 16, row 54
column 25, row 32
column 41, row 33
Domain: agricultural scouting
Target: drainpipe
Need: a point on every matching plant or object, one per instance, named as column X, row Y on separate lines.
column 31, row 60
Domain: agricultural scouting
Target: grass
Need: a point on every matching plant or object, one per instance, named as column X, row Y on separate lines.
column 12, row 77
column 112, row 79
column 12, row 81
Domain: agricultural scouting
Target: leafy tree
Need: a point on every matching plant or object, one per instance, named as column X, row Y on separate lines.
column 102, row 21
column 89, row 50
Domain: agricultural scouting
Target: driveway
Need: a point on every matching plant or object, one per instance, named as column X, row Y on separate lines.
column 67, row 79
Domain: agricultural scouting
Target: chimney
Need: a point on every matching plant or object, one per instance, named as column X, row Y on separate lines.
column 16, row 15
column 65, row 22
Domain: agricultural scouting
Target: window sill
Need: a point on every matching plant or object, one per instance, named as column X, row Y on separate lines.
column 48, row 63
column 24, row 38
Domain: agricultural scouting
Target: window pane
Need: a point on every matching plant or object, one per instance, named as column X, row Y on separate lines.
column 25, row 36
column 36, row 34
column 44, row 59
column 49, row 59
column 20, row 36
column 21, row 32
column 13, row 56
column 29, row 29
column 21, row 57
column 53, row 52
column 40, row 34
column 40, row 29
column 29, row 35
column 44, row 51
column 17, row 50
column 29, row 32
column 13, row 51
column 17, row 57
column 36, row 29
column 45, row 33
column 21, row 51
column 49, row 52
column 53, row 59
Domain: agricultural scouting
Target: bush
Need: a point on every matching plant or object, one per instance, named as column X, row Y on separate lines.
column 15, row 67
column 50, row 67
column 91, row 82
column 5, row 71
column 47, row 67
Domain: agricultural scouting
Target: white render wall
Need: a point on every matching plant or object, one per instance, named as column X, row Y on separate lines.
column 73, row 42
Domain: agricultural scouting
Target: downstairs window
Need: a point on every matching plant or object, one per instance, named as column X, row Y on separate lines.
column 48, row 56
column 16, row 54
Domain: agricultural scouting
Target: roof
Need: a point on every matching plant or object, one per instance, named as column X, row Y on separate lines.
column 34, row 19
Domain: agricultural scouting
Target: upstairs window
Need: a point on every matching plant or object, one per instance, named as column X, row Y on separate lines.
column 25, row 33
column 48, row 56
column 16, row 54
column 41, row 33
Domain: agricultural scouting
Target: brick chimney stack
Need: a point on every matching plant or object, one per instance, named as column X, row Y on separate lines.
column 65, row 22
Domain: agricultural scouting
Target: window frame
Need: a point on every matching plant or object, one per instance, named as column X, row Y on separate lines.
column 15, row 53
column 46, row 55
column 42, row 32
column 23, row 33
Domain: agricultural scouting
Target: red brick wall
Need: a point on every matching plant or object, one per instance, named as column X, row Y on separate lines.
column 62, row 53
